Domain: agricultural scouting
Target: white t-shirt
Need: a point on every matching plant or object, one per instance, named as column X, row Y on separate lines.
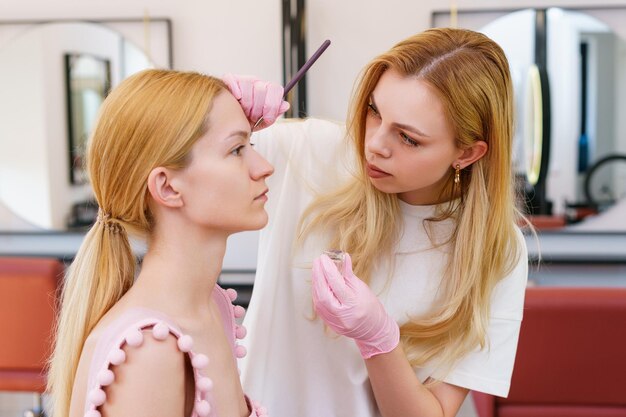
column 294, row 365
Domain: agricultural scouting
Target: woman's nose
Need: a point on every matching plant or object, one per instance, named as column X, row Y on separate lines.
column 260, row 167
column 377, row 143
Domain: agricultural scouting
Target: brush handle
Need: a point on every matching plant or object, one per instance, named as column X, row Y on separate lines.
column 306, row 66
column 300, row 73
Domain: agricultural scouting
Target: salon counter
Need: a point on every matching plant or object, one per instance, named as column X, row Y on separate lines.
column 567, row 258
column 577, row 247
column 577, row 259
column 237, row 270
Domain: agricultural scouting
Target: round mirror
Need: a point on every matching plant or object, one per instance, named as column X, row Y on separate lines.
column 53, row 78
column 584, row 61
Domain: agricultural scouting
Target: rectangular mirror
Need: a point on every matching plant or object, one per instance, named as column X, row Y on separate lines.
column 88, row 81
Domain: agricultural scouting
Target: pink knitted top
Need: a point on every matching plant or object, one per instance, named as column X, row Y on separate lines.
column 137, row 323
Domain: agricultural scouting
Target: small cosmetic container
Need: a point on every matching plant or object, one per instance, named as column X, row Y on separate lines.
column 337, row 256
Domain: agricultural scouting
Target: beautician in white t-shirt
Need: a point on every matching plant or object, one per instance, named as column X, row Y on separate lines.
column 419, row 192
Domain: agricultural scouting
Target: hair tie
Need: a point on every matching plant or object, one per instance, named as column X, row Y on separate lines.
column 109, row 223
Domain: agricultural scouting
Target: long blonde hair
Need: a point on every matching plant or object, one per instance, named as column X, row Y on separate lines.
column 470, row 74
column 151, row 119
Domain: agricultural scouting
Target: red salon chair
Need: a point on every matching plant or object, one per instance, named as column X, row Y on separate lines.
column 27, row 311
column 571, row 357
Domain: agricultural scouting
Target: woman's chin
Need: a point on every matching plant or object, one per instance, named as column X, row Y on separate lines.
column 260, row 223
column 382, row 187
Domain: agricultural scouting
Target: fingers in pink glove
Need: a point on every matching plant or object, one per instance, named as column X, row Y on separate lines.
column 233, row 85
column 247, row 98
column 335, row 280
column 274, row 104
column 259, row 98
column 347, row 265
column 322, row 294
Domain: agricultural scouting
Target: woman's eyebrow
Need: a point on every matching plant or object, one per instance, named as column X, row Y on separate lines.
column 401, row 125
column 238, row 133
column 410, row 129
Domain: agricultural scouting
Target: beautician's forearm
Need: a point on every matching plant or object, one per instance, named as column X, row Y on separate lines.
column 399, row 392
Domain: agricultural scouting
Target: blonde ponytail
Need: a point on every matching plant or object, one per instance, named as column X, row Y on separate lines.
column 100, row 275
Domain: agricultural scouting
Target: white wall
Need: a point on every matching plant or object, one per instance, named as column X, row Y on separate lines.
column 241, row 36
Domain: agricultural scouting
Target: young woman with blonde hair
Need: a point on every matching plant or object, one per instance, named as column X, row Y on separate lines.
column 423, row 202
column 170, row 160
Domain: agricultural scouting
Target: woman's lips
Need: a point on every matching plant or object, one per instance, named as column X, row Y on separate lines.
column 262, row 196
column 374, row 172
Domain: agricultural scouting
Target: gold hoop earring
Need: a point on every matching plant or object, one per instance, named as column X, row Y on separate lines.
column 457, row 175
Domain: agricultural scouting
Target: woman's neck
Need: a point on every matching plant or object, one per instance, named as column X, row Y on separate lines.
column 181, row 269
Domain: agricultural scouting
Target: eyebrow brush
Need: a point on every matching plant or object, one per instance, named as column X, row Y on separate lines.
column 300, row 73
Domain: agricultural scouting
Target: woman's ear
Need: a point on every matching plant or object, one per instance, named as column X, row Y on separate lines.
column 161, row 188
column 471, row 154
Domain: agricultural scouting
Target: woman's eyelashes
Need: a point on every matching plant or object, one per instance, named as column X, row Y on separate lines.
column 372, row 109
column 237, row 151
column 407, row 140
column 239, row 148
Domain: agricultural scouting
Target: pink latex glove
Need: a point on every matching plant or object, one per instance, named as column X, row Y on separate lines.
column 350, row 308
column 257, row 98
